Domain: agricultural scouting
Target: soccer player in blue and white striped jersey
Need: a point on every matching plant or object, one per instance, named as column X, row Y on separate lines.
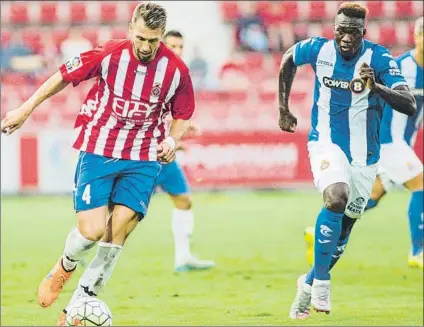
column 354, row 80
column 399, row 164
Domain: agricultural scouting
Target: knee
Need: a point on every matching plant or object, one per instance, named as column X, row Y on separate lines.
column 182, row 202
column 92, row 223
column 336, row 197
column 92, row 231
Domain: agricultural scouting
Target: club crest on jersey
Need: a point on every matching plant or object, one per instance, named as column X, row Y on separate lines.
column 356, row 85
column 73, row 64
column 156, row 90
column 324, row 165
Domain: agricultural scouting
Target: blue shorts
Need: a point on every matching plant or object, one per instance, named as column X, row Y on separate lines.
column 100, row 180
column 172, row 179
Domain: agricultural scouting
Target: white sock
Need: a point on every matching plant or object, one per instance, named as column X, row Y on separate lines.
column 182, row 228
column 98, row 272
column 76, row 247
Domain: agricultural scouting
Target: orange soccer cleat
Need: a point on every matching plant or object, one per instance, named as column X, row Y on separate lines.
column 52, row 284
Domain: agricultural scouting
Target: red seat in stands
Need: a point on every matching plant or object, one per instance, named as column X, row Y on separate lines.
column 92, row 34
column 33, row 39
column 229, row 10
column 404, row 9
column 289, row 10
column 78, row 12
column 6, row 36
column 58, row 36
column 375, row 9
column 108, row 12
column 48, row 12
column 19, row 13
column 317, row 10
column 387, row 35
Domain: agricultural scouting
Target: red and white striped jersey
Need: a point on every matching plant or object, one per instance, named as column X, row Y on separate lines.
column 123, row 113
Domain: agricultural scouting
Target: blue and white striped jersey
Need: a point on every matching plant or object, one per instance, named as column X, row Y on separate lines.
column 398, row 127
column 345, row 112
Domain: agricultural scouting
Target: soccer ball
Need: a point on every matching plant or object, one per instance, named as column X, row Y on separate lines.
column 88, row 312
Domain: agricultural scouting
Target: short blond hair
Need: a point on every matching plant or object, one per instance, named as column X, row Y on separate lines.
column 153, row 15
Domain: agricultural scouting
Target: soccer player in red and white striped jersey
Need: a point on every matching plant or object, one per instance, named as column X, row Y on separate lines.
column 121, row 137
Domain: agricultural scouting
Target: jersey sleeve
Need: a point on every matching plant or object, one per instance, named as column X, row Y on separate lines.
column 182, row 104
column 306, row 51
column 388, row 71
column 83, row 67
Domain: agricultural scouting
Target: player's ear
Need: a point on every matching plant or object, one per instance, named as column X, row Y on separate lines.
column 365, row 32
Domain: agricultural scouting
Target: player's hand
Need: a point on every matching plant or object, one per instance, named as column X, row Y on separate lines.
column 13, row 120
column 287, row 121
column 166, row 153
column 366, row 73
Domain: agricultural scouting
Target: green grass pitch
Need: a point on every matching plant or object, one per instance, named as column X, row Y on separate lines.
column 256, row 239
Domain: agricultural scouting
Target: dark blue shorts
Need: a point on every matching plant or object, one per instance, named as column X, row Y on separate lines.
column 172, row 179
column 100, row 180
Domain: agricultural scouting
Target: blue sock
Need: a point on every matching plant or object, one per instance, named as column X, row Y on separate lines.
column 415, row 215
column 371, row 204
column 347, row 225
column 327, row 233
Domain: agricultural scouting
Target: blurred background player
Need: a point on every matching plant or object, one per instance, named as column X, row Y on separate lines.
column 121, row 137
column 353, row 77
column 173, row 181
column 399, row 164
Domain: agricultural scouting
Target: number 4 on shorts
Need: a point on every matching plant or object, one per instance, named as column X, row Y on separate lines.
column 86, row 194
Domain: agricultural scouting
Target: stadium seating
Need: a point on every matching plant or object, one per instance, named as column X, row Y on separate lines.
column 59, row 12
column 317, row 10
column 104, row 20
column 50, row 12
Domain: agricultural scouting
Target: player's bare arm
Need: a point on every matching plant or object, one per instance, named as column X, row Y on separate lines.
column 167, row 149
column 400, row 98
column 14, row 119
column 193, row 130
column 287, row 120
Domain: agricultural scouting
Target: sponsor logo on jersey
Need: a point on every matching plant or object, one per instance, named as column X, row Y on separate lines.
column 133, row 111
column 73, row 64
column 324, row 63
column 357, row 206
column 356, row 85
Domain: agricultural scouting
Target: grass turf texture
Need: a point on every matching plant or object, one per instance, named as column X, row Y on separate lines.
column 256, row 240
